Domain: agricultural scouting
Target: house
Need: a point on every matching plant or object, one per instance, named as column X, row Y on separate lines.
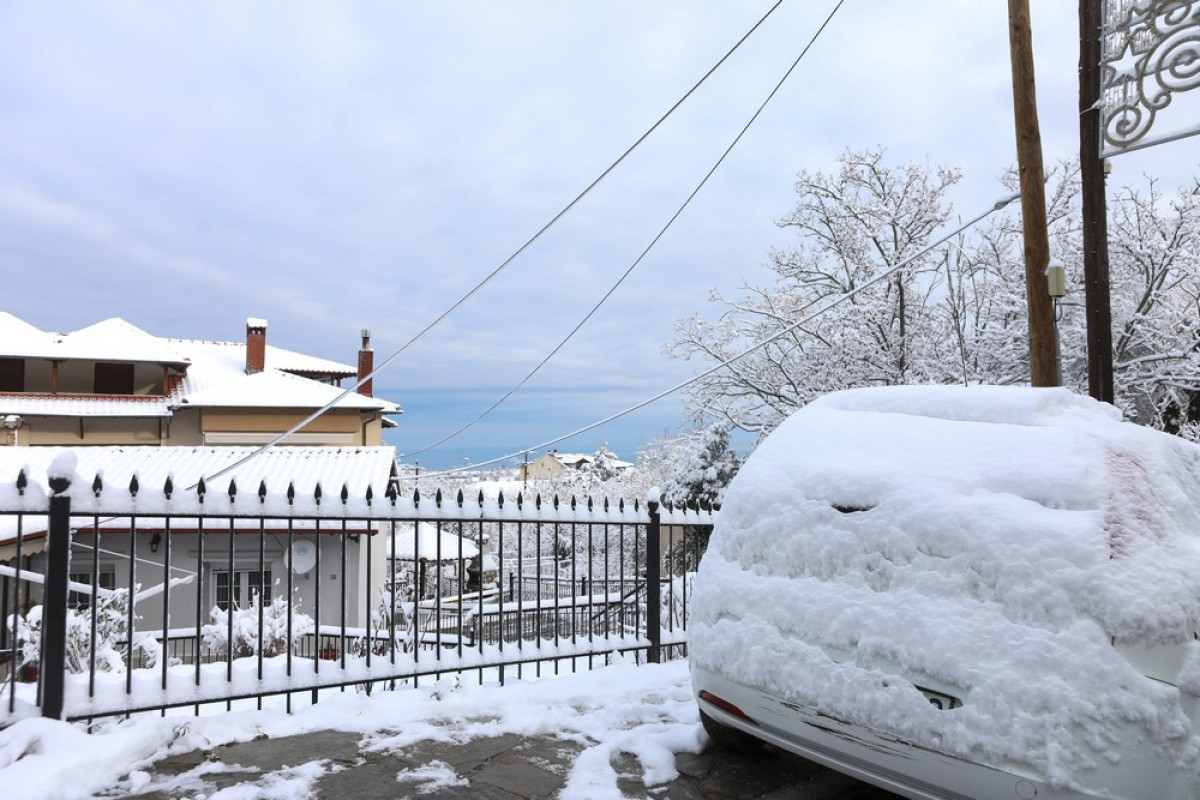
column 554, row 463
column 234, row 562
column 131, row 403
column 114, row 384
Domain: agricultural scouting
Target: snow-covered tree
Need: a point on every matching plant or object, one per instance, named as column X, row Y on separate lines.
column 957, row 315
column 1154, row 268
column 704, row 464
column 854, row 225
column 603, row 466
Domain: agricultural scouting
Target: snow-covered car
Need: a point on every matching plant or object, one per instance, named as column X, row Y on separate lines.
column 961, row 592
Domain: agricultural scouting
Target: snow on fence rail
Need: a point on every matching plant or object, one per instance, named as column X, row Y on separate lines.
column 124, row 598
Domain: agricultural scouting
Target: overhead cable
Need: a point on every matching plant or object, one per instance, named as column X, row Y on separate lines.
column 653, row 242
column 528, row 243
column 998, row 205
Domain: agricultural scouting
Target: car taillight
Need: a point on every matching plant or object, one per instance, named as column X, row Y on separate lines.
column 725, row 705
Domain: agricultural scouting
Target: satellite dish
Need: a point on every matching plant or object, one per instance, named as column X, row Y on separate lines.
column 304, row 555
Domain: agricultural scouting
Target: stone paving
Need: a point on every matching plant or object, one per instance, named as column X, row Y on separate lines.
column 507, row 767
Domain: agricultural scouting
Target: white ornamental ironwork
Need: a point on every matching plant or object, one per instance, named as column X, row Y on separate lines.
column 1151, row 52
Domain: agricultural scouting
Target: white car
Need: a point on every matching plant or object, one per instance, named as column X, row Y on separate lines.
column 961, row 592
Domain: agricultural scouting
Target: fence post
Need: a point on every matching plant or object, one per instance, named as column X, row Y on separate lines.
column 52, row 659
column 653, row 585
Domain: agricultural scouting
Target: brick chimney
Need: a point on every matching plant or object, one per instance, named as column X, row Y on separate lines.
column 366, row 363
column 256, row 345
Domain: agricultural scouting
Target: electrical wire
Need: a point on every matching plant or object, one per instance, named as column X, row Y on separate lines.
column 997, row 206
column 517, row 253
column 662, row 231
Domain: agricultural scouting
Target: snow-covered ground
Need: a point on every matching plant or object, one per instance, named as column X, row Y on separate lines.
column 647, row 711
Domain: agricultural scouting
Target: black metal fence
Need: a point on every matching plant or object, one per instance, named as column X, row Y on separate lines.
column 119, row 602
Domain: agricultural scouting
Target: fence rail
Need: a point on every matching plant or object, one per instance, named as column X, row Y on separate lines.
column 117, row 602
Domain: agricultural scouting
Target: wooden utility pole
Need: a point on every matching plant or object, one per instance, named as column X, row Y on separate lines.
column 1095, row 207
column 1033, row 197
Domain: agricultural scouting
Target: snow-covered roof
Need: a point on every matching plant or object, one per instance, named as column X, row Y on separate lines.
column 84, row 405
column 19, row 338
column 333, row 467
column 217, row 379
column 427, row 543
column 111, row 340
column 273, row 390
column 234, row 355
column 214, row 373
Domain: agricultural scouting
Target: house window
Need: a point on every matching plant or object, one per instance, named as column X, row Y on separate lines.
column 240, row 586
column 114, row 378
column 80, row 600
column 12, row 374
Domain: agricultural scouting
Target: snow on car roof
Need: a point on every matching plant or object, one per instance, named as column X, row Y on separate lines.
column 994, row 539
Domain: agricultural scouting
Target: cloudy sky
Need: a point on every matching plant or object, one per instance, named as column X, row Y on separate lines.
column 338, row 166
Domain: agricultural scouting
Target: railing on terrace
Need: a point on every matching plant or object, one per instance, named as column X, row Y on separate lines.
column 235, row 595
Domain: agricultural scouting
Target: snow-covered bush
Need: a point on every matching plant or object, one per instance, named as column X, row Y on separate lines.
column 111, row 637
column 246, row 629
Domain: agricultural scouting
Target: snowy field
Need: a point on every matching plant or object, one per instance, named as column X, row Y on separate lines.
column 647, row 711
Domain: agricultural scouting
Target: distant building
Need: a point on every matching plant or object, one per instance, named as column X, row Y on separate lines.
column 554, row 463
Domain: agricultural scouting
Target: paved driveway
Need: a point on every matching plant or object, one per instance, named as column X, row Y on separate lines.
column 332, row 764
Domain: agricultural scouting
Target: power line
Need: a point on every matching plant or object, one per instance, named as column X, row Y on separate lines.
column 528, row 243
column 997, row 206
column 662, row 231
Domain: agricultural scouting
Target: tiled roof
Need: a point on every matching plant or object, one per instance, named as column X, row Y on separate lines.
column 83, row 405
